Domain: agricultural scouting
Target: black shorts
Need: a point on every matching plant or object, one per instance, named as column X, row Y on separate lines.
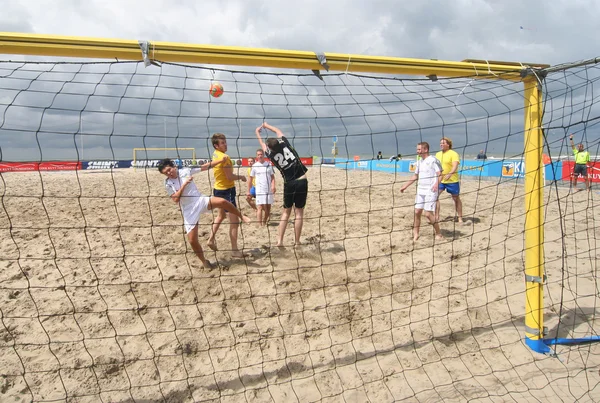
column 295, row 193
column 580, row 169
column 227, row 194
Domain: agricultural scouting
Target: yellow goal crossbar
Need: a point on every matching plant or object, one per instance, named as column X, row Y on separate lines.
column 100, row 48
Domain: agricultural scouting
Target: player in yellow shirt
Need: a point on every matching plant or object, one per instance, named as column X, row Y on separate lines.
column 252, row 193
column 224, row 187
column 450, row 161
column 582, row 159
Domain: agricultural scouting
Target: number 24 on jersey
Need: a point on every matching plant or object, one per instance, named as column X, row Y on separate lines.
column 284, row 159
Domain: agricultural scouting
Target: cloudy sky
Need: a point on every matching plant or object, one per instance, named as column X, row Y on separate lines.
column 478, row 114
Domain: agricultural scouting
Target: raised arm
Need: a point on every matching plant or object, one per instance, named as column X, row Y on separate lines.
column 572, row 142
column 278, row 132
column 259, row 138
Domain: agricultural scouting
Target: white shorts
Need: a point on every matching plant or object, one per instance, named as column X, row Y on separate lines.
column 264, row 198
column 191, row 214
column 426, row 201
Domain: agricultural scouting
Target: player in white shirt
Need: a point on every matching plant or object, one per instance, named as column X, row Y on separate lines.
column 180, row 185
column 263, row 175
column 428, row 173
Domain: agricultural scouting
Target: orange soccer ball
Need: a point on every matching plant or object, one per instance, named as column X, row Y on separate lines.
column 216, row 89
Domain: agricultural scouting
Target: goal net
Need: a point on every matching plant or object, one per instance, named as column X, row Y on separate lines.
column 103, row 299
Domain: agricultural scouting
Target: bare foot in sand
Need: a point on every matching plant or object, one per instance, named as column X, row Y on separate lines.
column 212, row 245
column 246, row 219
column 238, row 254
column 208, row 265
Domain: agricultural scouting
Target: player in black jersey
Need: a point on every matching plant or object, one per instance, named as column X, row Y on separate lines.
column 295, row 186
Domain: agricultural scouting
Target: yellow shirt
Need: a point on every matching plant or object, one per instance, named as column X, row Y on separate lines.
column 253, row 178
column 581, row 157
column 221, row 182
column 447, row 159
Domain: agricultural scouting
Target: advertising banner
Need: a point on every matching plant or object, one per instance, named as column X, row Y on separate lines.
column 513, row 169
column 306, row 160
column 59, row 166
column 474, row 168
column 18, row 166
column 558, row 170
column 40, row 166
column 593, row 171
column 105, row 164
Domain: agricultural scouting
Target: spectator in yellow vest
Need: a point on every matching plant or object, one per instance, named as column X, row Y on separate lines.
column 582, row 159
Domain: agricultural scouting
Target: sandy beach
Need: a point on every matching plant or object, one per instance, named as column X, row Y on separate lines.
column 102, row 299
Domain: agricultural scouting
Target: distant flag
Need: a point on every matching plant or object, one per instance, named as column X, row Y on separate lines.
column 546, row 159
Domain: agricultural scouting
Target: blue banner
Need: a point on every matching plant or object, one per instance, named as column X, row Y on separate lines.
column 476, row 168
column 553, row 171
